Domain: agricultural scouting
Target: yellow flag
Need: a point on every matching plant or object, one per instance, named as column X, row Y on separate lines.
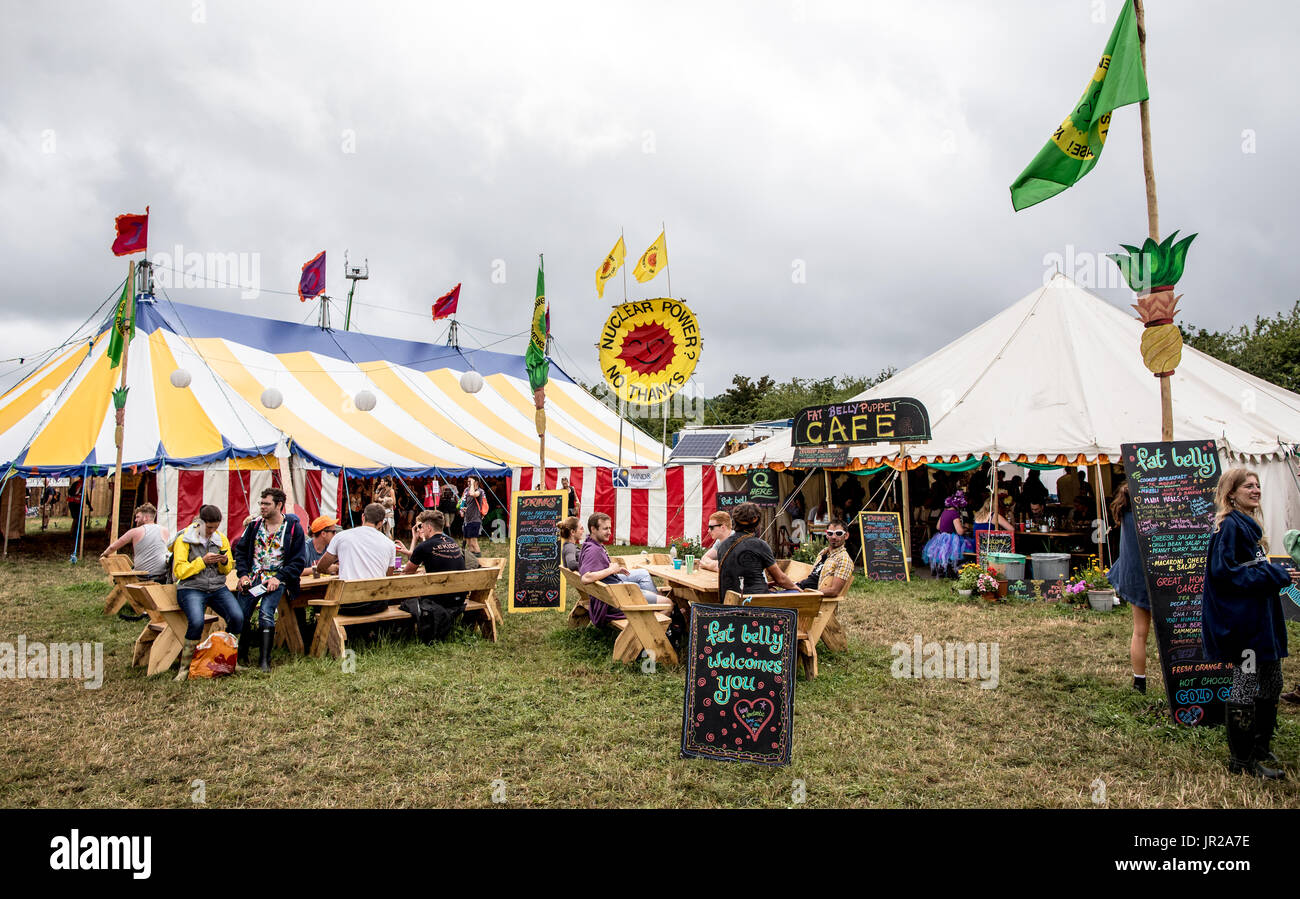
column 652, row 260
column 613, row 262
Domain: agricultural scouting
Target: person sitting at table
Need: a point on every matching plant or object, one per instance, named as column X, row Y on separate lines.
column 594, row 565
column 200, row 562
column 744, row 557
column 148, row 541
column 944, row 551
column 719, row 530
column 272, row 554
column 833, row 569
column 436, row 552
column 571, row 537
column 1082, row 513
column 323, row 529
column 1034, row 491
column 362, row 553
column 988, row 520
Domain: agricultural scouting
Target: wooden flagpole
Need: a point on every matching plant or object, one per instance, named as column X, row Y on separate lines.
column 121, row 413
column 1153, row 211
column 907, row 505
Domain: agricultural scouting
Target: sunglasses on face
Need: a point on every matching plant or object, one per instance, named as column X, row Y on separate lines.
column 836, row 533
column 712, row 526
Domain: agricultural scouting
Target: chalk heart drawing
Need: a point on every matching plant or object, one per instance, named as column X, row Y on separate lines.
column 754, row 714
column 1190, row 715
column 552, row 595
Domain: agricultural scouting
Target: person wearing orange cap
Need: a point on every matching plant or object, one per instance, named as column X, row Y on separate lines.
column 323, row 529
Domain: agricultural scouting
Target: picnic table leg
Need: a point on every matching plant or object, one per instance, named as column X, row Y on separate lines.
column 808, row 658
column 325, row 622
column 167, row 645
column 286, row 629
column 627, row 646
column 143, row 644
column 578, row 615
column 116, row 599
column 833, row 635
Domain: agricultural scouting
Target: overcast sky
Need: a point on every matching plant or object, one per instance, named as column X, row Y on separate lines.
column 834, row 177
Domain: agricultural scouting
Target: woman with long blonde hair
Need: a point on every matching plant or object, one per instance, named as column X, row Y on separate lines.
column 1242, row 623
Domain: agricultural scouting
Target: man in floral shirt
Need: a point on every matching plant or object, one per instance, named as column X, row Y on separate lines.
column 831, row 575
column 269, row 559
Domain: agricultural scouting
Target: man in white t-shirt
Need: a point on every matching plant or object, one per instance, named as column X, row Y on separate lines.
column 362, row 552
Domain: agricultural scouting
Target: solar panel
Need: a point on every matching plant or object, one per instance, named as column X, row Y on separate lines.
column 700, row 446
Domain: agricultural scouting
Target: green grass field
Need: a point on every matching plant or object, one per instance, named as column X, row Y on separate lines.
column 545, row 718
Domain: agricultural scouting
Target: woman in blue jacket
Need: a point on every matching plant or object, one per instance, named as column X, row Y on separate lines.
column 1129, row 579
column 1242, row 623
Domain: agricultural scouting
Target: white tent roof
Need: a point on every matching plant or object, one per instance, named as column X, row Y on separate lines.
column 1057, row 378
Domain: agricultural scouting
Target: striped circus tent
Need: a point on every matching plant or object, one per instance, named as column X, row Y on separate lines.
column 215, row 440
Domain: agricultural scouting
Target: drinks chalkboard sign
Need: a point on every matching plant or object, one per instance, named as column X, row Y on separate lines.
column 535, row 579
column 883, row 558
column 740, row 674
column 728, row 500
column 1171, row 486
column 836, row 456
column 993, row 542
column 761, row 487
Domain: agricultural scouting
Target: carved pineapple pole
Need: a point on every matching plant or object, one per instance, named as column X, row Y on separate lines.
column 1151, row 273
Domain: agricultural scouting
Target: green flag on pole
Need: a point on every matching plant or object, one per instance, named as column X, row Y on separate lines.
column 1075, row 146
column 123, row 325
column 539, row 368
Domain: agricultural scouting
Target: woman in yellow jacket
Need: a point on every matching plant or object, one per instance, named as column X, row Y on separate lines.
column 201, row 560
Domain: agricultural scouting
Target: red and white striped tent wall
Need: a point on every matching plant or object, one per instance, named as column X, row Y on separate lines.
column 681, row 508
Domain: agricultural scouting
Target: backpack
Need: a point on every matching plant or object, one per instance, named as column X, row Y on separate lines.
column 434, row 615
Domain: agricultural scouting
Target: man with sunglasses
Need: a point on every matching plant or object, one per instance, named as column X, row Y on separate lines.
column 719, row 530
column 831, row 575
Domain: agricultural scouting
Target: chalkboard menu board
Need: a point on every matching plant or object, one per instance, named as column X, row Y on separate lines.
column 740, row 674
column 1290, row 595
column 993, row 542
column 1172, row 488
column 761, row 487
column 1037, row 589
column 895, row 419
column 883, row 558
column 535, row 579
column 728, row 500
column 821, row 456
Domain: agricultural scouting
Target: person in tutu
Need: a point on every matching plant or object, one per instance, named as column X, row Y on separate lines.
column 943, row 553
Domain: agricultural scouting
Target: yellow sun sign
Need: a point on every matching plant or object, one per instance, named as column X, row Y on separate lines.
column 649, row 349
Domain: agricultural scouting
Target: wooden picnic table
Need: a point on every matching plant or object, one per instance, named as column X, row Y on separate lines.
column 698, row 586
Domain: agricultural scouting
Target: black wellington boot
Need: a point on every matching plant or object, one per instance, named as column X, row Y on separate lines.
column 1265, row 723
column 268, row 637
column 245, row 640
column 1241, row 742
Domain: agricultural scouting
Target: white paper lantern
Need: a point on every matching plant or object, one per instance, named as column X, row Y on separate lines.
column 180, row 378
column 364, row 401
column 471, row 382
column 272, row 398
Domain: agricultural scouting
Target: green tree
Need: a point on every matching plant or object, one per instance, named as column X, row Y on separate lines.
column 1270, row 349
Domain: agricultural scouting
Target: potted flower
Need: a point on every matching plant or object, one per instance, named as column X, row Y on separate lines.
column 966, row 578
column 986, row 585
column 1101, row 595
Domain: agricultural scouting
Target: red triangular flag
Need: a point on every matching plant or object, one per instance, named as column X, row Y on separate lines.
column 132, row 234
column 312, row 282
column 445, row 305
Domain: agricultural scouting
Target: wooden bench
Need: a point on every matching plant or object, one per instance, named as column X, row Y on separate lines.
column 164, row 634
column 644, row 625
column 481, row 605
column 813, row 610
column 123, row 573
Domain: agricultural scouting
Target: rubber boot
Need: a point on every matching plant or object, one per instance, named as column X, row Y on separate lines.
column 268, row 636
column 187, row 653
column 1265, row 723
column 245, row 640
column 1241, row 742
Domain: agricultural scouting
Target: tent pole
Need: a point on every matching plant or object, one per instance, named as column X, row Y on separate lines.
column 907, row 507
column 9, row 505
column 1104, row 550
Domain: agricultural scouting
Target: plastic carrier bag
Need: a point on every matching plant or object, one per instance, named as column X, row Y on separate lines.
column 215, row 656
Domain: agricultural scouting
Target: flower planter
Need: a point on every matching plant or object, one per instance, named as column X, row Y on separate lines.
column 1101, row 600
column 1002, row 588
column 990, row 597
column 963, row 593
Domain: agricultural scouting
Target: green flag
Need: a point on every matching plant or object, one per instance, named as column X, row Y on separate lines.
column 123, row 325
column 539, row 368
column 1074, row 148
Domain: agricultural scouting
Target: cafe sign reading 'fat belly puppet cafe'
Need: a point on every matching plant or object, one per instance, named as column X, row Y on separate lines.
column 892, row 420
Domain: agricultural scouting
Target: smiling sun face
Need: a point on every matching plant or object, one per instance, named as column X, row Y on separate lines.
column 648, row 349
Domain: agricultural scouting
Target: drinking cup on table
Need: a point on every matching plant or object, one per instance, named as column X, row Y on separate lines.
column 690, row 564
column 677, row 563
